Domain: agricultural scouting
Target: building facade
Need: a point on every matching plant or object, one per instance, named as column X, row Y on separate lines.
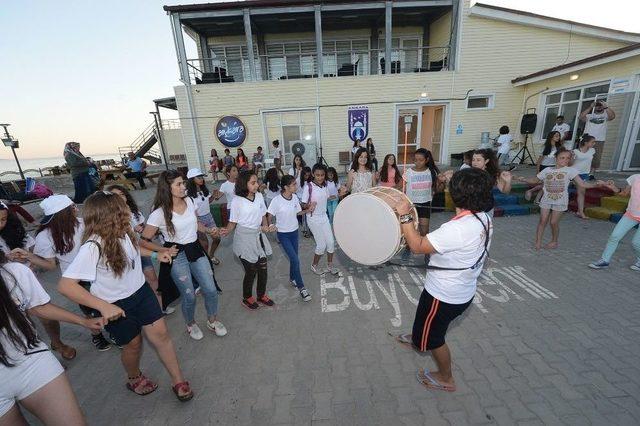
column 318, row 76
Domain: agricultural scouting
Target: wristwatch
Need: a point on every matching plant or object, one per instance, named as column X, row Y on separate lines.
column 406, row 218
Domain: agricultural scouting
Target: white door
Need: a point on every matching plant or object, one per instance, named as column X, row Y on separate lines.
column 632, row 159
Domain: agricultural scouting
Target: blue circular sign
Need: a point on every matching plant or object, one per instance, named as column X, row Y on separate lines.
column 231, row 131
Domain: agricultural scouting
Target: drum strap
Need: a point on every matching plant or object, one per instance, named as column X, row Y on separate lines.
column 486, row 228
column 310, row 192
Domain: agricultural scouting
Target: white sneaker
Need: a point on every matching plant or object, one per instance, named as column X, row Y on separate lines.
column 636, row 266
column 217, row 327
column 317, row 270
column 333, row 270
column 198, row 291
column 194, row 331
column 169, row 310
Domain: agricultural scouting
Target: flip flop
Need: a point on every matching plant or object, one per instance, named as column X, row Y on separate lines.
column 428, row 381
column 404, row 340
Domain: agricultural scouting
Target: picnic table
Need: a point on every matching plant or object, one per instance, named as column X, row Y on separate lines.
column 115, row 176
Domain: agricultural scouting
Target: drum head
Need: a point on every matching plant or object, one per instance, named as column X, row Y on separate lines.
column 366, row 228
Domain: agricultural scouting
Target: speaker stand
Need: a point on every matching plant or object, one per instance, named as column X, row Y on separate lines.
column 524, row 153
column 321, row 159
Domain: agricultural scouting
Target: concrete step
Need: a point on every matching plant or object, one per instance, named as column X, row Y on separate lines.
column 515, row 210
column 599, row 213
column 504, row 199
column 616, row 203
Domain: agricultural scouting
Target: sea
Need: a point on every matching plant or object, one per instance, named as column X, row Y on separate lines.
column 34, row 164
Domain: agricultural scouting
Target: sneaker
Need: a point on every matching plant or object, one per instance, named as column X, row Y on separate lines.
column 217, row 327
column 194, row 331
column 317, row 270
column 100, row 342
column 250, row 303
column 305, row 295
column 266, row 301
column 333, row 270
column 169, row 310
column 293, row 283
column 600, row 264
column 636, row 266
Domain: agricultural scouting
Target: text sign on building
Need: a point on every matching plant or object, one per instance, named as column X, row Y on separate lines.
column 358, row 121
column 231, row 131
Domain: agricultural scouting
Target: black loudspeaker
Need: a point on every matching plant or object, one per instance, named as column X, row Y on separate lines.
column 528, row 124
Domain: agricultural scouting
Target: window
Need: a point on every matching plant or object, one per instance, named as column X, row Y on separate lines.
column 235, row 60
column 570, row 103
column 290, row 127
column 480, row 102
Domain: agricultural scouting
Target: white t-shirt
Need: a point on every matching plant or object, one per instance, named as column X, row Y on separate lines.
column 319, row 194
column 556, row 185
column 550, row 159
column 26, row 244
column 582, row 160
column 633, row 208
column 270, row 195
column 202, row 204
column 418, row 185
column 563, row 128
column 459, row 243
column 277, row 152
column 505, row 144
column 247, row 213
column 26, row 292
column 44, row 246
column 89, row 265
column 137, row 220
column 229, row 190
column 332, row 187
column 596, row 125
column 465, row 166
column 285, row 212
column 185, row 224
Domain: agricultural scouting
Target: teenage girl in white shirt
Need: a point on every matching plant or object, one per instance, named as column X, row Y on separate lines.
column 197, row 190
column 30, row 375
column 110, row 259
column 249, row 220
column 581, row 160
column 174, row 215
column 314, row 199
column 547, row 159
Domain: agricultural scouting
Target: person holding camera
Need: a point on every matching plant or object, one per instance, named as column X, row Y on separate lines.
column 595, row 118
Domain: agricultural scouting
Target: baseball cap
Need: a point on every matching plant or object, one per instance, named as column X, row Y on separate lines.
column 52, row 205
column 195, row 172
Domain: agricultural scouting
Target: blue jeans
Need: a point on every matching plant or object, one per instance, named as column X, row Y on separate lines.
column 289, row 243
column 625, row 225
column 181, row 271
column 83, row 187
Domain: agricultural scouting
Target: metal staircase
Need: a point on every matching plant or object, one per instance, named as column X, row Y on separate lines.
column 144, row 146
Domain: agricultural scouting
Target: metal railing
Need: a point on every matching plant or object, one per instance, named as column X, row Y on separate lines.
column 305, row 65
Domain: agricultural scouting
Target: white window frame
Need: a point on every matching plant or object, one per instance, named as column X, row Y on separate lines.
column 267, row 142
column 543, row 106
column 490, row 103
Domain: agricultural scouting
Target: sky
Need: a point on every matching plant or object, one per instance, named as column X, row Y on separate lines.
column 88, row 70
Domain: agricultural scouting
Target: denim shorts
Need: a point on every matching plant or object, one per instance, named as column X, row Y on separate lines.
column 146, row 262
column 207, row 220
column 141, row 308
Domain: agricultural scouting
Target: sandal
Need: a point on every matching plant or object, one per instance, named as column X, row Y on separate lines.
column 141, row 385
column 67, row 352
column 185, row 388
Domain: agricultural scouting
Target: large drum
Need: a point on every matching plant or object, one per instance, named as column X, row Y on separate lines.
column 367, row 228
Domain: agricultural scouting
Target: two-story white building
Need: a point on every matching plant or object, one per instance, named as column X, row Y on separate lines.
column 318, row 73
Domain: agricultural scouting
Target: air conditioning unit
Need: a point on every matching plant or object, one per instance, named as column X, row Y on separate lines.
column 306, row 149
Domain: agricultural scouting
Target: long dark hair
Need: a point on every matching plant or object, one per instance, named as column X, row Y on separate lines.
column 305, row 169
column 164, row 199
column 302, row 163
column 585, row 138
column 15, row 324
column 63, row 229
column 286, row 181
column 214, row 153
column 354, row 164
column 331, row 171
column 431, row 164
column 272, row 180
column 242, row 188
column 384, row 170
column 370, row 146
column 241, row 155
column 492, row 166
column 316, row 167
column 193, row 188
column 548, row 144
column 13, row 232
column 131, row 203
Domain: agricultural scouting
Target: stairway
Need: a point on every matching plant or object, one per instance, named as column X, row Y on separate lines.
column 600, row 203
column 514, row 203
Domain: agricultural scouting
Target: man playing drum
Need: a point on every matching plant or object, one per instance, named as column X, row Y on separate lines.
column 458, row 250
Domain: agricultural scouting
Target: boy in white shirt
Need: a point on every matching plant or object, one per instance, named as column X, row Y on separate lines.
column 504, row 145
column 458, row 250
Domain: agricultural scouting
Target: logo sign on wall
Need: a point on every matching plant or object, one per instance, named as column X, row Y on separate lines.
column 358, row 120
column 231, row 131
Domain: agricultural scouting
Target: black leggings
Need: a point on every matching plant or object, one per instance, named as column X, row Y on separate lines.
column 250, row 271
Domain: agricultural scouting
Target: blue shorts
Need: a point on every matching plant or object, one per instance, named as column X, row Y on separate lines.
column 141, row 308
column 207, row 220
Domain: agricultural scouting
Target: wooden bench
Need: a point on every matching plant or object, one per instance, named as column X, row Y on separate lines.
column 117, row 178
column 344, row 159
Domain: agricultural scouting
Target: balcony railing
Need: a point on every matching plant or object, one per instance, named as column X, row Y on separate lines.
column 223, row 69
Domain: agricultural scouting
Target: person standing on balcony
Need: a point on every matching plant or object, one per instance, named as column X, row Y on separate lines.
column 595, row 118
column 79, row 166
column 137, row 166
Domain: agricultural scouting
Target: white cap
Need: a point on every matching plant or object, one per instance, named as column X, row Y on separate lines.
column 194, row 173
column 52, row 205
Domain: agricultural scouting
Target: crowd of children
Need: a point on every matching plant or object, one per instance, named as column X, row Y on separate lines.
column 108, row 257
